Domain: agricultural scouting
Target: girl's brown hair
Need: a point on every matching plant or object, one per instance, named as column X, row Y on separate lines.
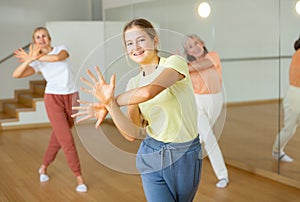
column 140, row 23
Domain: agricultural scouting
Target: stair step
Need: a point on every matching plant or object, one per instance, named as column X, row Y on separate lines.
column 39, row 89
column 23, row 101
column 27, row 98
column 3, row 101
column 12, row 108
column 4, row 117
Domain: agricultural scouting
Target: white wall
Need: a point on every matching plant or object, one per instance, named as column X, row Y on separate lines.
column 237, row 29
column 90, row 45
column 17, row 21
column 244, row 33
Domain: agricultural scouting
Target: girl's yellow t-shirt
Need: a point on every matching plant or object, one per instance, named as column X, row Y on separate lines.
column 172, row 114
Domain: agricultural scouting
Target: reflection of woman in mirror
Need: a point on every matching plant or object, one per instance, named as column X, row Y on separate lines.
column 206, row 75
column 291, row 105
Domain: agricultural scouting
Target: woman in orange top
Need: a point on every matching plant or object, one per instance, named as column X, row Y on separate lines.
column 206, row 74
column 291, row 105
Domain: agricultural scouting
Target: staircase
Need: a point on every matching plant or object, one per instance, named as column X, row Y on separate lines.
column 23, row 110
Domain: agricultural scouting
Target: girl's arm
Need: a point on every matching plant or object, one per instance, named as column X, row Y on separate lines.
column 142, row 94
column 105, row 94
column 134, row 115
column 128, row 129
column 133, row 130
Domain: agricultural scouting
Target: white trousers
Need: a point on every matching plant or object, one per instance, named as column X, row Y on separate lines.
column 209, row 108
column 291, row 106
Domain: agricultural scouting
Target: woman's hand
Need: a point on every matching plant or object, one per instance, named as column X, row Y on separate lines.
column 34, row 53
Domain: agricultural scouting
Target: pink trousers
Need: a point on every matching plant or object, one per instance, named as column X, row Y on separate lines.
column 59, row 110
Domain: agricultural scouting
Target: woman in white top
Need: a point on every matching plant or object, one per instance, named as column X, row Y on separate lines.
column 60, row 95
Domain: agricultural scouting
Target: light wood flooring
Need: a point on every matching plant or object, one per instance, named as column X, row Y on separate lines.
column 21, row 153
column 248, row 136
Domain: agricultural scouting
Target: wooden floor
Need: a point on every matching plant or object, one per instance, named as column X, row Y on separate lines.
column 21, row 153
column 248, row 136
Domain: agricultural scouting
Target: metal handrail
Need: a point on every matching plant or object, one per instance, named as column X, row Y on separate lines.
column 11, row 55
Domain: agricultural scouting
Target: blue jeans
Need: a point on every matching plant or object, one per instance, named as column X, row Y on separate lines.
column 170, row 172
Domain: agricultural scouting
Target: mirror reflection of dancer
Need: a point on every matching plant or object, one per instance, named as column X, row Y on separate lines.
column 169, row 158
column 60, row 95
column 291, row 105
column 206, row 74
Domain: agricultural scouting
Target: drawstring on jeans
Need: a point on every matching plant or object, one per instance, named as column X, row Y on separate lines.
column 162, row 151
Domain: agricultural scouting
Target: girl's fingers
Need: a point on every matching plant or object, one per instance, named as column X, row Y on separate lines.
column 79, row 114
column 92, row 76
column 87, row 82
column 91, row 109
column 113, row 79
column 84, row 102
column 99, row 74
column 80, row 107
column 98, row 123
column 83, row 119
column 75, row 115
column 86, row 90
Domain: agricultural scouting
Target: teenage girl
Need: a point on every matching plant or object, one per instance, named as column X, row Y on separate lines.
column 161, row 95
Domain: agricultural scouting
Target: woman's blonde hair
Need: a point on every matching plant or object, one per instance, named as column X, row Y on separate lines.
column 38, row 29
column 196, row 38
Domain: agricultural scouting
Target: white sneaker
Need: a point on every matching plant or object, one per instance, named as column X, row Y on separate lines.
column 43, row 177
column 222, row 183
column 283, row 157
column 81, row 188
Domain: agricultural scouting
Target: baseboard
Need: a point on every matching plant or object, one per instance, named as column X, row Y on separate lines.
column 25, row 126
column 264, row 173
column 255, row 102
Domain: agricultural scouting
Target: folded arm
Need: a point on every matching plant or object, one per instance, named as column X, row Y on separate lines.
column 62, row 55
column 24, row 69
column 203, row 64
column 142, row 94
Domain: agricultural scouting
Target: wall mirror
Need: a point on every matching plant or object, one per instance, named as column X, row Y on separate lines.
column 254, row 40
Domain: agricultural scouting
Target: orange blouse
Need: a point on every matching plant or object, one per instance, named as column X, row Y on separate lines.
column 208, row 81
column 294, row 74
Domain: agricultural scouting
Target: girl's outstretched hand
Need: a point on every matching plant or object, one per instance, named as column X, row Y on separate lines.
column 104, row 93
column 89, row 110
